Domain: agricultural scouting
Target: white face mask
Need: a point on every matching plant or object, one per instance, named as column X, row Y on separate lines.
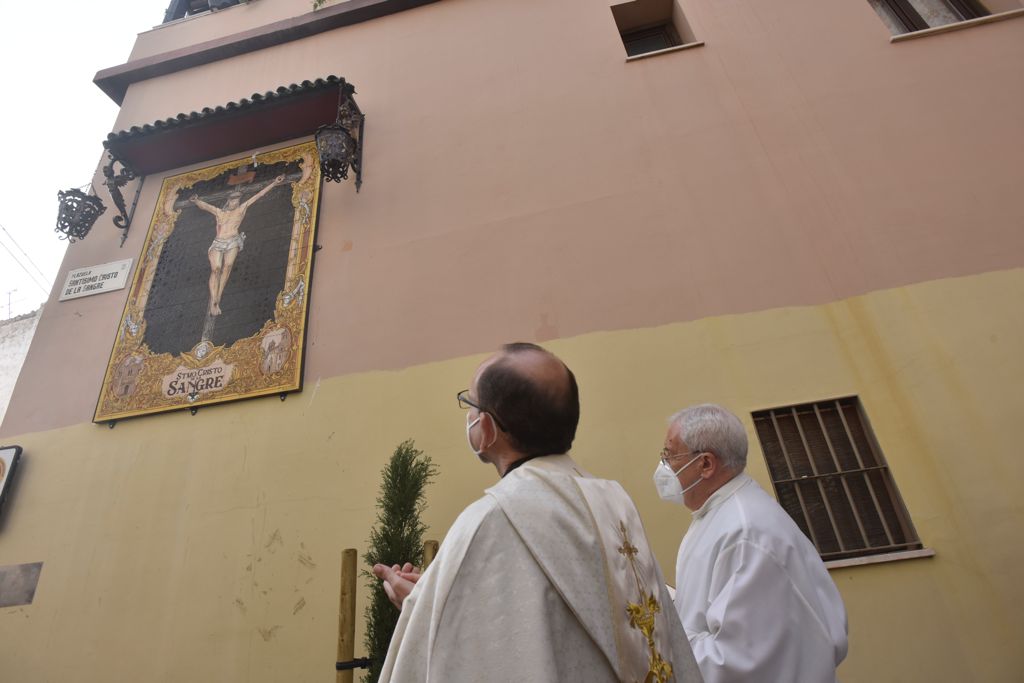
column 469, row 440
column 667, row 481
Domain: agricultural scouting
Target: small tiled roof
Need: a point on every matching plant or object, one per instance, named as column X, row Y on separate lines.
column 208, row 113
column 287, row 113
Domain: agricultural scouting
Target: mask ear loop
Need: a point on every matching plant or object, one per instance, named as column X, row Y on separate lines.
column 699, row 478
column 495, row 439
column 692, row 460
column 469, row 438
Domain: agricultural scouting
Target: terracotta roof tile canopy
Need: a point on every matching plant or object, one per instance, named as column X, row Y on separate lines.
column 287, row 113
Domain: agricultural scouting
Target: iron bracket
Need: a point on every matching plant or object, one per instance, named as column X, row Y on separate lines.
column 352, row 117
column 114, row 182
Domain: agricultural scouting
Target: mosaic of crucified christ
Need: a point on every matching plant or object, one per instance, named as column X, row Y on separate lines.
column 229, row 240
column 218, row 302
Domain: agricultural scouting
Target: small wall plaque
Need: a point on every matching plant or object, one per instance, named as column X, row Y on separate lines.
column 9, row 456
column 106, row 277
column 18, row 583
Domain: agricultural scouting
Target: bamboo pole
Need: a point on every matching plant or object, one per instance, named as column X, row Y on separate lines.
column 429, row 551
column 347, row 613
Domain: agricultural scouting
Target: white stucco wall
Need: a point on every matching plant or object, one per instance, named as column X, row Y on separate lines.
column 15, row 337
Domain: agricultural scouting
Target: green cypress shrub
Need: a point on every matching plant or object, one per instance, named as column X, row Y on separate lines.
column 396, row 538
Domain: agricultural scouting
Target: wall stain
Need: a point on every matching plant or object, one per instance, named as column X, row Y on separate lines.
column 268, row 633
column 546, row 330
column 240, row 605
column 274, row 541
column 316, row 388
column 306, row 560
column 298, row 606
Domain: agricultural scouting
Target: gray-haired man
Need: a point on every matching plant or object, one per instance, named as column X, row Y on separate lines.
column 754, row 597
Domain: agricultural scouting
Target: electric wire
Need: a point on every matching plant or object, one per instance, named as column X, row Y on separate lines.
column 27, row 257
column 42, row 284
column 27, row 271
column 12, row 303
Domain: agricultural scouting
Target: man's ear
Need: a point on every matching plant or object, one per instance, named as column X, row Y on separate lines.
column 709, row 464
column 489, row 429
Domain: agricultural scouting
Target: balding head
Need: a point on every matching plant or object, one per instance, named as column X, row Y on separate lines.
column 535, row 397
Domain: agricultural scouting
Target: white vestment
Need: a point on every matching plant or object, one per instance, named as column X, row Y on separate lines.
column 548, row 577
column 753, row 594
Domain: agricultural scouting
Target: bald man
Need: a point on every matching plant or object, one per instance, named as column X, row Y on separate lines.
column 549, row 576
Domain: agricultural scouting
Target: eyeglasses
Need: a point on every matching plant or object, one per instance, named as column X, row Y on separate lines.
column 666, row 456
column 465, row 402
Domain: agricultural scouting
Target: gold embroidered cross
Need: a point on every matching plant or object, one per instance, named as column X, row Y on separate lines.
column 643, row 615
column 627, row 549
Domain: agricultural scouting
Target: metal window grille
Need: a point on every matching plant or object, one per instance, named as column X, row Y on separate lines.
column 968, row 9
column 181, row 8
column 650, row 39
column 911, row 19
column 831, row 477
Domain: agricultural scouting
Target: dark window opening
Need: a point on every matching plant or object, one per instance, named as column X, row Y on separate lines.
column 179, row 9
column 650, row 39
column 829, row 474
column 905, row 16
column 650, row 26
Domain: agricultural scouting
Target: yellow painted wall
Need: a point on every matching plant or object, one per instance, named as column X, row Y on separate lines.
column 206, row 548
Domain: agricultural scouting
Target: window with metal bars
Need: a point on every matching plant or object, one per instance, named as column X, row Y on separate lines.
column 182, row 8
column 829, row 474
column 650, row 39
column 904, row 16
column 647, row 26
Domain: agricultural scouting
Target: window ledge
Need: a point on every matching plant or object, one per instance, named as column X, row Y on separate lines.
column 877, row 559
column 957, row 26
column 674, row 48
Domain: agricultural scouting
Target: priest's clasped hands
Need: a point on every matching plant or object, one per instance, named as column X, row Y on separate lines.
column 398, row 581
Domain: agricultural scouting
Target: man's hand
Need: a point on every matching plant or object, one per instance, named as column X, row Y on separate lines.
column 398, row 581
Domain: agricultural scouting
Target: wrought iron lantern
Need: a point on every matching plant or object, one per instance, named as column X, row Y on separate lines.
column 340, row 144
column 77, row 213
column 336, row 148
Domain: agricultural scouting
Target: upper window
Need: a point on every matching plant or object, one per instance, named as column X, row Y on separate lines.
column 178, row 9
column 831, row 477
column 651, row 26
column 904, row 16
column 651, row 39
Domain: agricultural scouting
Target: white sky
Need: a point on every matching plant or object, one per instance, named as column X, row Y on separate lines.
column 54, row 120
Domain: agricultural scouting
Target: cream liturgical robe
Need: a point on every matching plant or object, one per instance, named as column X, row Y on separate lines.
column 548, row 577
column 753, row 594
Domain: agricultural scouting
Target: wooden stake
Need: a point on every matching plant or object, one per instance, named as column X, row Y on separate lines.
column 347, row 613
column 429, row 551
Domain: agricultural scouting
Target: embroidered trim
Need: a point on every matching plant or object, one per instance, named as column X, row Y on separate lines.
column 642, row 615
